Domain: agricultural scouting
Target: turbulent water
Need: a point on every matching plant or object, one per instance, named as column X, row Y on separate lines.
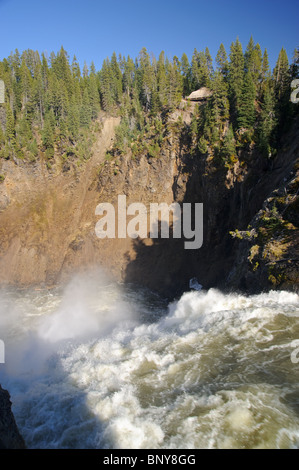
column 98, row 365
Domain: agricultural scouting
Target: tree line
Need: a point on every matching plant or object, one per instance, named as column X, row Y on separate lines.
column 52, row 105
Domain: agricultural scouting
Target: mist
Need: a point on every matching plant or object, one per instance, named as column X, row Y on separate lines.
column 88, row 306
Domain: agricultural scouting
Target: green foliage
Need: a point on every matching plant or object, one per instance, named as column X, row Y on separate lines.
column 108, row 156
column 48, row 132
column 10, row 126
column 229, row 145
column 203, row 145
column 50, row 104
column 154, row 149
column 222, row 62
column 33, row 149
column 267, row 122
column 246, row 112
column 272, row 221
column 236, row 76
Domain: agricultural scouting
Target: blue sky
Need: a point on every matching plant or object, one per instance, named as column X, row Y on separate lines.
column 93, row 29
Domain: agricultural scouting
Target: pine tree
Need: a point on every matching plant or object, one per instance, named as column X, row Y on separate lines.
column 185, row 67
column 117, row 79
column 73, row 118
column 62, row 101
column 26, row 80
column 94, row 97
column 85, row 71
column 229, row 145
column 266, row 72
column 248, row 55
column 10, row 132
column 147, row 78
column 209, row 62
column 253, row 61
column 45, row 72
column 15, row 79
column 246, row 111
column 85, row 111
column 106, row 86
column 92, row 68
column 48, row 134
column 267, row 121
column 38, row 93
column 204, row 73
column 236, row 76
column 282, row 82
column 281, row 74
column 174, row 79
column 76, row 72
column 128, row 76
column 61, row 67
column 195, row 74
column 256, row 67
column 162, row 80
column 221, row 61
column 219, row 106
column 23, row 132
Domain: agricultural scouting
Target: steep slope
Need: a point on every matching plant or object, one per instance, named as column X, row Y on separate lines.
column 42, row 212
column 48, row 218
column 232, row 199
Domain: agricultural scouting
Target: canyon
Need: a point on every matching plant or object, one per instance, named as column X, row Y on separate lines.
column 48, row 217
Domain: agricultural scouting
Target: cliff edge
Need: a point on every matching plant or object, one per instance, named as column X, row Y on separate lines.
column 10, row 437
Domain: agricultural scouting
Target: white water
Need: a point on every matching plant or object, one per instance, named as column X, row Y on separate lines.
column 103, row 366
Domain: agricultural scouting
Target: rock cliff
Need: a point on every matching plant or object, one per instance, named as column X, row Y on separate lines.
column 250, row 222
column 10, row 437
column 48, row 216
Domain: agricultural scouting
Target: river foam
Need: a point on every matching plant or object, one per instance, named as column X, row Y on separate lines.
column 105, row 366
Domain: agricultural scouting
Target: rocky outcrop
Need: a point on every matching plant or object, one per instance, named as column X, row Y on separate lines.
column 10, row 437
column 202, row 94
column 267, row 254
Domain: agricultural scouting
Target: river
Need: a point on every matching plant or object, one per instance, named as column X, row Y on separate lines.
column 95, row 364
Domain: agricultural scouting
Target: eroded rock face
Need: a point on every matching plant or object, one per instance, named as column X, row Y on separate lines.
column 44, row 213
column 47, row 219
column 10, row 437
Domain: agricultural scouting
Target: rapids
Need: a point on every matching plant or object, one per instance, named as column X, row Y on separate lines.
column 101, row 365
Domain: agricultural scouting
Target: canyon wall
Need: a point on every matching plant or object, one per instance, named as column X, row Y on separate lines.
column 48, row 218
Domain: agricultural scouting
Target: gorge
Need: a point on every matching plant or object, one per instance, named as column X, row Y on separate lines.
column 135, row 341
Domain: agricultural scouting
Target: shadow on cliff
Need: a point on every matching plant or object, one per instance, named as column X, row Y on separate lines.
column 166, row 266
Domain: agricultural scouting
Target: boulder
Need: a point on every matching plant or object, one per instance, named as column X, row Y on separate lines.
column 200, row 94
